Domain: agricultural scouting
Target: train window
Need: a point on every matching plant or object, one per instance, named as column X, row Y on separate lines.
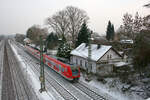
column 49, row 62
column 59, row 67
column 53, row 63
column 62, row 69
column 66, row 69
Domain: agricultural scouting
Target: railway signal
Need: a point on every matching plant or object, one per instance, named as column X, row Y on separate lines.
column 42, row 75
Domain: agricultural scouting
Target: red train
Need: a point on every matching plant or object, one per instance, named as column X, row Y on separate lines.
column 68, row 71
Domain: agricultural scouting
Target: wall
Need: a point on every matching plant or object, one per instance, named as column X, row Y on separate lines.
column 81, row 62
column 104, row 70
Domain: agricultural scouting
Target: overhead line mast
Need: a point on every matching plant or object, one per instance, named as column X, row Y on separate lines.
column 42, row 75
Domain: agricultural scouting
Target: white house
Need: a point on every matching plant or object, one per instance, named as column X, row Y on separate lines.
column 27, row 41
column 100, row 54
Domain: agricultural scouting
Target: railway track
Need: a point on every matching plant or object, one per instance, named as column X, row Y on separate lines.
column 1, row 64
column 52, row 82
column 64, row 89
column 89, row 92
column 72, row 88
column 57, row 86
column 7, row 86
column 15, row 86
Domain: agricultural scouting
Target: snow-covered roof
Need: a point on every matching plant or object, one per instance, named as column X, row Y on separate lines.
column 96, row 53
column 27, row 40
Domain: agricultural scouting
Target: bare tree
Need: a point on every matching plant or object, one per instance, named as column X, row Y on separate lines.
column 68, row 22
column 120, row 33
column 59, row 23
column 35, row 32
column 131, row 26
column 137, row 24
column 128, row 25
column 146, row 19
column 76, row 18
column 146, row 23
column 19, row 37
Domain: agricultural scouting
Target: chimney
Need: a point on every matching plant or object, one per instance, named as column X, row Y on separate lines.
column 98, row 46
column 86, row 44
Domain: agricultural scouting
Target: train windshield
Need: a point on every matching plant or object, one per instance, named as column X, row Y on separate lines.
column 75, row 70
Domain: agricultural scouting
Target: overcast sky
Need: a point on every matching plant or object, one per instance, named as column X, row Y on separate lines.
column 16, row 16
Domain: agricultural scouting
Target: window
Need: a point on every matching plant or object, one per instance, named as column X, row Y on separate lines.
column 49, row 62
column 80, row 62
column 76, row 61
column 107, row 57
column 110, row 56
column 59, row 67
column 85, row 64
column 90, row 66
column 62, row 69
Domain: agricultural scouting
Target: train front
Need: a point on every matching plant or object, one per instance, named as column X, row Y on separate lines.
column 75, row 72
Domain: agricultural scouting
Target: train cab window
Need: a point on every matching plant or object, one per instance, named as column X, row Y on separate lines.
column 75, row 72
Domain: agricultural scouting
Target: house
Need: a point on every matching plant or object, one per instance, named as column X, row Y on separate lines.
column 27, row 41
column 126, row 41
column 100, row 55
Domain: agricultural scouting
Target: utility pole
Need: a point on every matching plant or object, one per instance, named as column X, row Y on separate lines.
column 42, row 76
column 89, row 59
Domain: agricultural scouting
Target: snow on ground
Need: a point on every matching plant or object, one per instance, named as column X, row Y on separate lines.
column 52, row 52
column 34, row 79
column 105, row 88
column 102, row 88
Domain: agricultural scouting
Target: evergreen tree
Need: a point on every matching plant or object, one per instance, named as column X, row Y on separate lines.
column 64, row 49
column 83, row 35
column 51, row 40
column 109, row 31
column 112, row 32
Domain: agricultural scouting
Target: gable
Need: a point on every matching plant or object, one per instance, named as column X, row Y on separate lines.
column 112, row 54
